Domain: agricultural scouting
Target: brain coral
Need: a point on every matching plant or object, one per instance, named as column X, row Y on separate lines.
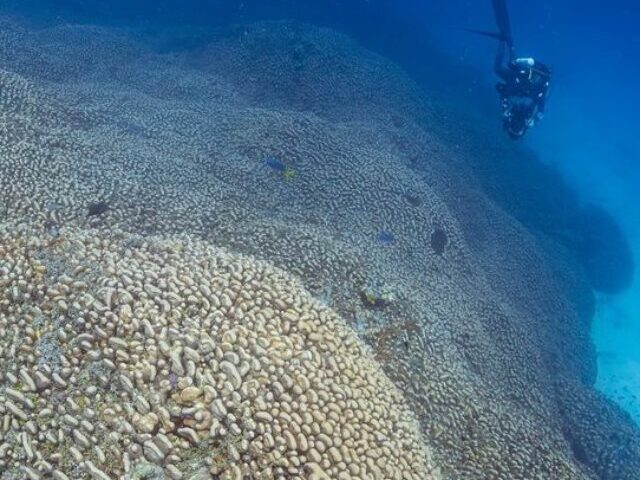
column 170, row 358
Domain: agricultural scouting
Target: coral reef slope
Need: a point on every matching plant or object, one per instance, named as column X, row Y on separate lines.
column 275, row 163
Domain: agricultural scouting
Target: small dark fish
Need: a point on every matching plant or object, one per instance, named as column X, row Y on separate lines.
column 275, row 164
column 97, row 208
column 52, row 228
column 439, row 241
column 385, row 238
column 413, row 200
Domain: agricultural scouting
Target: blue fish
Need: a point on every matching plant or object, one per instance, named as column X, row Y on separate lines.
column 275, row 164
column 386, row 238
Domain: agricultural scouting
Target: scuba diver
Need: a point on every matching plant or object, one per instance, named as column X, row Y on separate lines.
column 523, row 91
column 524, row 84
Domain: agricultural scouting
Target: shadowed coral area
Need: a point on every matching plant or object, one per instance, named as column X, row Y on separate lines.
column 602, row 248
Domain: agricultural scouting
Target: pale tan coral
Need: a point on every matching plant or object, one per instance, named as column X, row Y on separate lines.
column 221, row 364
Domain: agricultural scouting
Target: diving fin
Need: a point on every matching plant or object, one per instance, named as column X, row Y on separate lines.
column 502, row 20
column 496, row 35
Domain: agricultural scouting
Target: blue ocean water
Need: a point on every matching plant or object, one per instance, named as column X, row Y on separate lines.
column 570, row 186
column 591, row 135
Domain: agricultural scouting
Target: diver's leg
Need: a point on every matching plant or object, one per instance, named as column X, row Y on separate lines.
column 499, row 65
column 502, row 20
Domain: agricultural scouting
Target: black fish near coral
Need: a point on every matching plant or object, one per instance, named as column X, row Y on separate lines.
column 97, row 208
column 439, row 241
column 412, row 200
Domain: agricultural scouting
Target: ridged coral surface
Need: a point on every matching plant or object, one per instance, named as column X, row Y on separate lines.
column 136, row 164
column 124, row 354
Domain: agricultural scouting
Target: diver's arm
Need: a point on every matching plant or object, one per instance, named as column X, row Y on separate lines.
column 541, row 103
column 542, row 96
column 540, row 108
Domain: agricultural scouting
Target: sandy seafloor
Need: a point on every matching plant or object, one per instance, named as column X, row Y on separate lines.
column 297, row 265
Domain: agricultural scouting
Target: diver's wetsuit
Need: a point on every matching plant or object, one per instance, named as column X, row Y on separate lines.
column 524, row 86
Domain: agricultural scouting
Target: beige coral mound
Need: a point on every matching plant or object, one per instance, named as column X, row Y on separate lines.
column 169, row 358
